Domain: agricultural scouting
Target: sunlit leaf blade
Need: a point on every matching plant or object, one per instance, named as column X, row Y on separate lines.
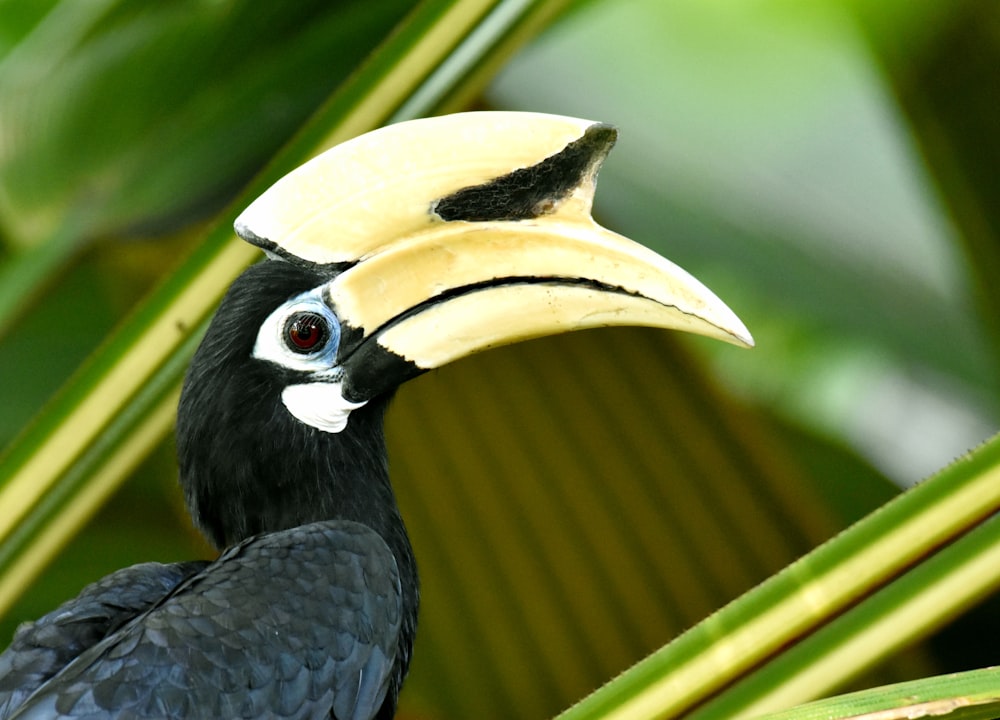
column 94, row 477
column 145, row 350
column 804, row 597
column 939, row 588
column 101, row 391
column 972, row 695
column 574, row 503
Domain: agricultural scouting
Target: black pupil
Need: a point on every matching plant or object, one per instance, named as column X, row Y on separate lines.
column 305, row 332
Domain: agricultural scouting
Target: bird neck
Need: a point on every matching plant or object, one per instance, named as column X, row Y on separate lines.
column 248, row 466
column 285, row 473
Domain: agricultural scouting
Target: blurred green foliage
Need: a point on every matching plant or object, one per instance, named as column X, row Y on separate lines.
column 828, row 167
column 113, row 112
column 765, row 148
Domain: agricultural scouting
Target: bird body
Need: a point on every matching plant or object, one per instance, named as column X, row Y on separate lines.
column 229, row 641
column 482, row 236
column 42, row 648
column 306, row 609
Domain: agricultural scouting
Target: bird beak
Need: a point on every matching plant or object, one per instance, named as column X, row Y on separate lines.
column 453, row 235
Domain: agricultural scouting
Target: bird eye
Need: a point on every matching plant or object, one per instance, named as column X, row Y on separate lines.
column 306, row 332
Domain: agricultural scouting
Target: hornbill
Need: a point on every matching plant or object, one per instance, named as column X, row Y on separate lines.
column 389, row 255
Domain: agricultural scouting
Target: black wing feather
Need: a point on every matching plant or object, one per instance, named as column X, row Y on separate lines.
column 42, row 648
column 302, row 623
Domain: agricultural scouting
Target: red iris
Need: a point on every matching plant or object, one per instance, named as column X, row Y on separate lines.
column 305, row 332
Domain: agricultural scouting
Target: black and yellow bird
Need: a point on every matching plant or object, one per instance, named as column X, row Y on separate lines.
column 392, row 254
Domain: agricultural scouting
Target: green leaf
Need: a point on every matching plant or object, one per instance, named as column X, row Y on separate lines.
column 578, row 501
column 93, row 146
column 762, row 148
column 972, row 695
column 800, row 600
column 150, row 349
column 566, row 525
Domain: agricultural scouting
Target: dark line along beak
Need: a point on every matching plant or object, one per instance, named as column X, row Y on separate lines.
column 467, row 232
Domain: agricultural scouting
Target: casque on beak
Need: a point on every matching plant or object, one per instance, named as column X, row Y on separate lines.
column 451, row 235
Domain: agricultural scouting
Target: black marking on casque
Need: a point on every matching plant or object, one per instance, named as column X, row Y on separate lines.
column 273, row 249
column 530, row 192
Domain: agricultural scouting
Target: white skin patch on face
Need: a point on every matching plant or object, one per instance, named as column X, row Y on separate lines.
column 320, row 404
column 318, row 400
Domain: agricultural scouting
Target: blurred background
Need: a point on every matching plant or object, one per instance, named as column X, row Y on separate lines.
column 830, row 169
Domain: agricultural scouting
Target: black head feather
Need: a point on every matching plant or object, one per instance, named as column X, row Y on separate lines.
column 247, row 465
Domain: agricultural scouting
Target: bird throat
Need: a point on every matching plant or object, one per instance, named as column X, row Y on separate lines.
column 278, row 472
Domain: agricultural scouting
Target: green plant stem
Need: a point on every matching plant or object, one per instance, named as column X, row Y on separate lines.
column 803, row 597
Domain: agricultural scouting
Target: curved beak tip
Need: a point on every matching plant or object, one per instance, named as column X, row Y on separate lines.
column 745, row 339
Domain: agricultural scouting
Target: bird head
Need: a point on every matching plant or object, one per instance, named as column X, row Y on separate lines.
column 398, row 252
